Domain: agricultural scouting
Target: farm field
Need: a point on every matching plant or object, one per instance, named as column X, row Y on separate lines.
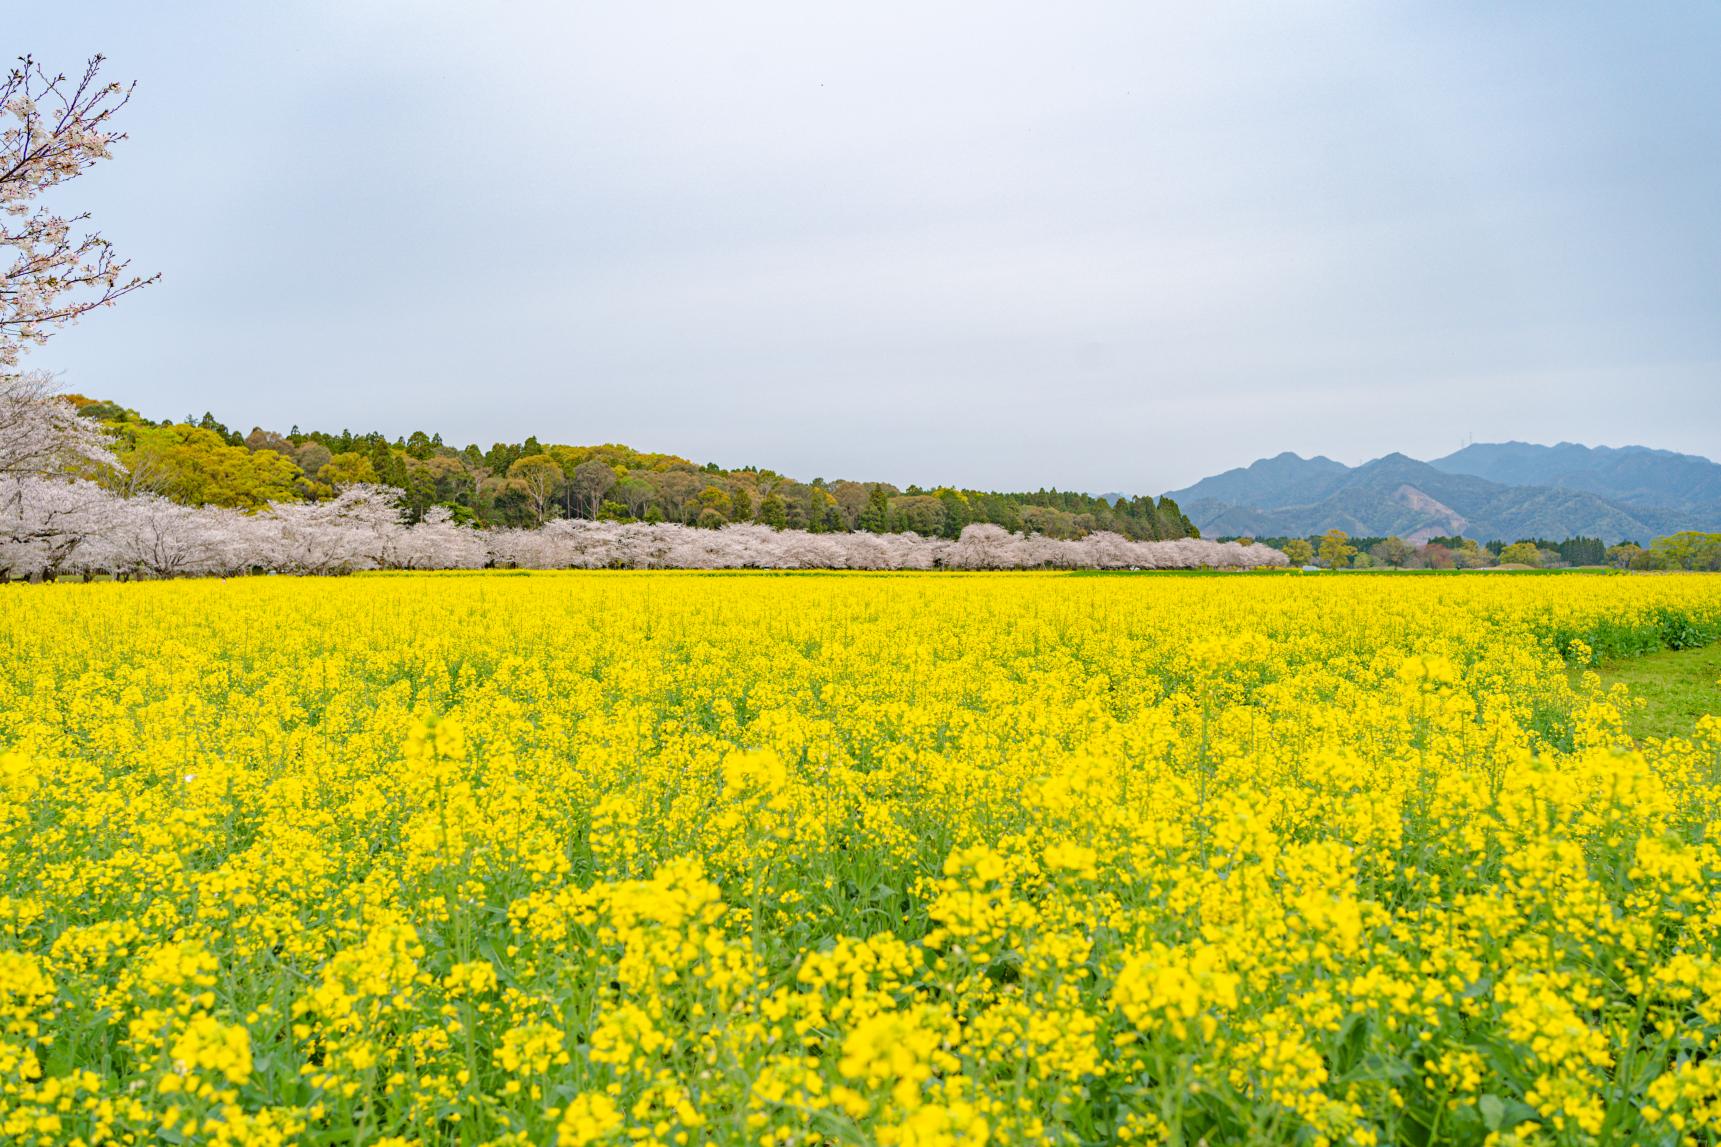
column 915, row 859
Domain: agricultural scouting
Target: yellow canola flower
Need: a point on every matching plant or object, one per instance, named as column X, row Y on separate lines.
column 209, row 1046
column 1172, row 988
column 673, row 859
column 589, row 1118
column 531, row 1048
column 17, row 774
column 893, row 1051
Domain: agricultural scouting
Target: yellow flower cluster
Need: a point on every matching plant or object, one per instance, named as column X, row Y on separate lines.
column 675, row 859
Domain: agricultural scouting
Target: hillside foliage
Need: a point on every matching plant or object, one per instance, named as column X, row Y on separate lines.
column 202, row 462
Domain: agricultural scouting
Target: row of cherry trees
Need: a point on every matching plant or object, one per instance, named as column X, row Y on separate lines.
column 599, row 545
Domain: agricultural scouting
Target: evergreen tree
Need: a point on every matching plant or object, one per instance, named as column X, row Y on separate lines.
column 955, row 512
column 875, row 516
column 1169, row 522
column 774, row 512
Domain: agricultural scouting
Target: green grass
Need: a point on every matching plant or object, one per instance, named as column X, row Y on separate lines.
column 1677, row 686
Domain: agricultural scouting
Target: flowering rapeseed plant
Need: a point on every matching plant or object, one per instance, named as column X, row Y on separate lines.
column 681, row 859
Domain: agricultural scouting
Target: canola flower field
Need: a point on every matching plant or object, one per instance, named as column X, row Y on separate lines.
column 658, row 858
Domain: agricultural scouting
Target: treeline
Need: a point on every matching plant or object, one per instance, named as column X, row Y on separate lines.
column 1338, row 550
column 201, row 462
column 1688, row 550
column 1577, row 551
column 57, row 527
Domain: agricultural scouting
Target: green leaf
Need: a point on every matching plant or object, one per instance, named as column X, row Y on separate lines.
column 1517, row 1111
column 1352, row 1042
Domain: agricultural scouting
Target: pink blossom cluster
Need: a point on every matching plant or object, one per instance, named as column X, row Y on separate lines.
column 53, row 129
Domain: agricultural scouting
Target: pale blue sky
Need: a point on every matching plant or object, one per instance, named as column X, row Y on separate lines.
column 1098, row 246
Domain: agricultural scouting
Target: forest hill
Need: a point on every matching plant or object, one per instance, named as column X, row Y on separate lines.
column 201, row 462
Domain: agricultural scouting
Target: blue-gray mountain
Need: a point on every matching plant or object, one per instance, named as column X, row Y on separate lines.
column 1489, row 490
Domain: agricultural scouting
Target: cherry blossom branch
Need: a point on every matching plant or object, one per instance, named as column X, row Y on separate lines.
column 59, row 130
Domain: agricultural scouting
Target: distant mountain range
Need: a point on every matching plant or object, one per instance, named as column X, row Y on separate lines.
column 1505, row 490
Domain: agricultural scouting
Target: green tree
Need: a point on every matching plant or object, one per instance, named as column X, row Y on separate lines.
column 537, row 478
column 419, row 493
column 1688, row 550
column 1467, row 555
column 1521, row 554
column 1336, row 550
column 1300, row 552
column 715, row 499
column 955, row 511
column 1582, row 551
column 917, row 513
column 345, row 469
column 1392, row 552
column 1623, row 555
column 1170, row 522
column 200, row 467
column 774, row 512
column 311, row 457
column 390, row 467
column 875, row 515
column 636, row 494
column 591, row 481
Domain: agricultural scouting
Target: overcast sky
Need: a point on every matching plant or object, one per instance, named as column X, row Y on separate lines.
column 1097, row 246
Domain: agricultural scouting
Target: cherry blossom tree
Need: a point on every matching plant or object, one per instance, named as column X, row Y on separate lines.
column 981, row 546
column 59, row 128
column 47, row 511
column 42, row 434
column 238, row 541
column 436, row 541
column 55, row 130
column 149, row 534
column 357, row 529
column 46, row 522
